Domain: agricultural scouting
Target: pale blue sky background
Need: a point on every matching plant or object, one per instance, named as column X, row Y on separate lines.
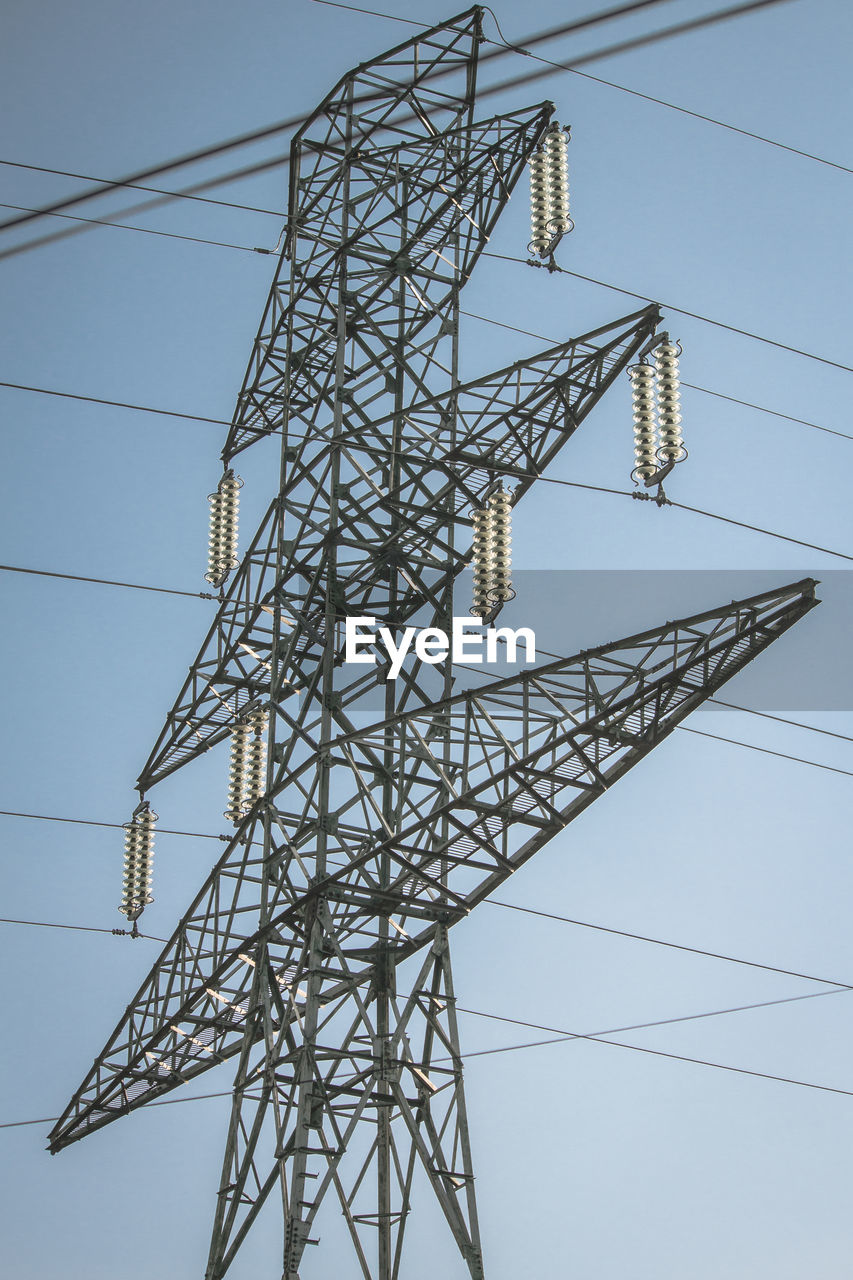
column 592, row 1161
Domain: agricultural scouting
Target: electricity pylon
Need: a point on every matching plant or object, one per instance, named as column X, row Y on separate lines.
column 316, row 953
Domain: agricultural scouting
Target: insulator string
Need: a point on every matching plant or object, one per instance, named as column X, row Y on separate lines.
column 540, row 205
column 247, row 772
column 224, row 521
column 549, row 192
column 671, row 447
column 556, row 151
column 257, row 759
column 138, row 862
column 483, row 566
column 240, row 741
column 645, row 420
column 500, row 508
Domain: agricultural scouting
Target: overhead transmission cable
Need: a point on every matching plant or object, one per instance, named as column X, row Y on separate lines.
column 693, row 315
column 283, row 126
column 145, row 231
column 507, row 906
column 145, row 206
column 225, row 422
column 530, row 333
column 277, row 213
column 598, row 1037
column 667, row 306
column 107, row 582
column 160, row 191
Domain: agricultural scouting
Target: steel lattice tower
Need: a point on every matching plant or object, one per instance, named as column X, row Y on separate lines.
column 316, row 953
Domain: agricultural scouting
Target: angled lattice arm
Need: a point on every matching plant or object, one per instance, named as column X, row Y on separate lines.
column 527, row 755
column 512, row 423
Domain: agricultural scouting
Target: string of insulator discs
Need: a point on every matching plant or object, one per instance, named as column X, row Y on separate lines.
column 138, row 861
column 247, row 773
column 549, row 192
column 656, row 402
column 492, row 553
column 224, row 518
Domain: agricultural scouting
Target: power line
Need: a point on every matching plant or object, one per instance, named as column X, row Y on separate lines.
column 493, row 902
column 234, row 175
column 668, row 306
column 106, row 581
column 152, row 171
column 116, row 826
column 509, row 258
column 116, row 404
column 531, row 333
column 282, row 126
column 594, row 19
column 562, row 1037
column 696, row 115
column 146, row 231
column 626, row 46
column 660, row 942
column 774, row 412
column 711, row 515
column 721, row 124
column 741, row 524
column 81, row 928
column 676, row 1057
column 767, row 751
column 610, row 84
column 160, row 191
column 225, row 422
column 797, row 724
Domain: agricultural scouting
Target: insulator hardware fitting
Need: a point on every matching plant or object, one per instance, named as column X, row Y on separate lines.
column 224, row 520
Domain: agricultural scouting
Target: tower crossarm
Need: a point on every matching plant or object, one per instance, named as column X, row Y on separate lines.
column 369, row 218
column 524, row 756
column 510, row 424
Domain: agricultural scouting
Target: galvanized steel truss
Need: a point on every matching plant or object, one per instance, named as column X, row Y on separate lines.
column 316, row 954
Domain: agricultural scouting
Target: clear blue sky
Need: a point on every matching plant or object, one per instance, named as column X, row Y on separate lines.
column 592, row 1160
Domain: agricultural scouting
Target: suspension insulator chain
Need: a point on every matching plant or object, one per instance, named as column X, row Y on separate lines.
column 240, row 741
column 500, row 507
column 645, row 423
column 257, row 760
column 549, row 192
column 247, row 773
column 671, row 447
column 483, row 552
column 540, row 205
column 556, row 151
column 224, row 519
column 138, row 862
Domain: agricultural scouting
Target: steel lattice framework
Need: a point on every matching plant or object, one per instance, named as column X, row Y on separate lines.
column 316, row 953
